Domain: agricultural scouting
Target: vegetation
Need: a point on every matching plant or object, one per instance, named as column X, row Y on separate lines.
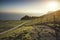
column 8, row 24
column 46, row 27
column 26, row 17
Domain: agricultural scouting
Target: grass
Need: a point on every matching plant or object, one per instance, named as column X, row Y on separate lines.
column 17, row 31
column 8, row 24
column 28, row 31
column 35, row 29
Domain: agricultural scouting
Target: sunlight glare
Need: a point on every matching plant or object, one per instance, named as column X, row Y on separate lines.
column 52, row 6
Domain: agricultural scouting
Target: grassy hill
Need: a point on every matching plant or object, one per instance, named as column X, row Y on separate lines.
column 46, row 27
column 50, row 17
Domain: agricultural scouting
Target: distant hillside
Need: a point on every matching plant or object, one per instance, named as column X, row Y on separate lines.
column 50, row 17
column 16, row 16
column 26, row 17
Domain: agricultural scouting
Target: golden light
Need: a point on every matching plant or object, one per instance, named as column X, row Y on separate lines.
column 53, row 5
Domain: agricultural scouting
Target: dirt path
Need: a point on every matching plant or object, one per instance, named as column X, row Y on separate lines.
column 13, row 28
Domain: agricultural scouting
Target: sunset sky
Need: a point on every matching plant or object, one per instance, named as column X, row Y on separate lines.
column 29, row 6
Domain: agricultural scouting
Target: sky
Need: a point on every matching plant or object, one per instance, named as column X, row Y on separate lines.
column 35, row 7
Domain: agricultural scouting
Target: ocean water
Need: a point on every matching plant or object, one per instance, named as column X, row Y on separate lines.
column 11, row 16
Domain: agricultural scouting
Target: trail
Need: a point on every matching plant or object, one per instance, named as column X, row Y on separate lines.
column 13, row 28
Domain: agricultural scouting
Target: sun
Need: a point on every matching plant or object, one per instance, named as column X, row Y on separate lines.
column 52, row 5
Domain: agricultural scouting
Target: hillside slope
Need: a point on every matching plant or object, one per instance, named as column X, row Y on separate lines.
column 43, row 28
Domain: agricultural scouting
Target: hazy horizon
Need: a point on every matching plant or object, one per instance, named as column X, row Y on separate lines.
column 27, row 7
column 15, row 16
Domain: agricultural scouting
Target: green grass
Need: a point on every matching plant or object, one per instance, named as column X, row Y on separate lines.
column 30, row 30
column 27, row 30
column 17, row 31
column 8, row 24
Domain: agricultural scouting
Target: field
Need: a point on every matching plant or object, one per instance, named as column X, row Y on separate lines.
column 31, row 30
column 42, row 28
column 8, row 24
